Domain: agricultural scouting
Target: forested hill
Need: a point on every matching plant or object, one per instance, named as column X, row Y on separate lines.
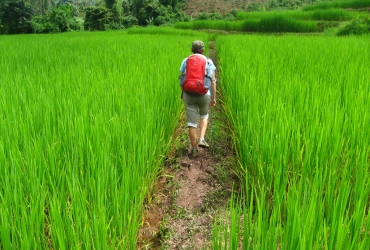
column 52, row 16
column 194, row 7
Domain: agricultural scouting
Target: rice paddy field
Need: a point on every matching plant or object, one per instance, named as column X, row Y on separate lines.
column 86, row 120
column 300, row 110
column 312, row 19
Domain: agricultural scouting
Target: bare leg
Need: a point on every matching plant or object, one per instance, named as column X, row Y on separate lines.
column 203, row 127
column 193, row 137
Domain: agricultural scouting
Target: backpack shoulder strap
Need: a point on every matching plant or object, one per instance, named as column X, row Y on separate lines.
column 199, row 56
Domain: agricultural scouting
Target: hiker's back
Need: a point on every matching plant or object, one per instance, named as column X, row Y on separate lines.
column 194, row 75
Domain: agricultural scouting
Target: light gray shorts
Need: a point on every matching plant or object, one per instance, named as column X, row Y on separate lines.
column 196, row 107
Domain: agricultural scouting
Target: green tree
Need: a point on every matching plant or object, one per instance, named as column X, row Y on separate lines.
column 60, row 19
column 41, row 7
column 357, row 26
column 129, row 19
column 16, row 17
column 172, row 3
column 148, row 12
column 126, row 7
column 254, row 6
column 109, row 3
column 97, row 18
column 274, row 4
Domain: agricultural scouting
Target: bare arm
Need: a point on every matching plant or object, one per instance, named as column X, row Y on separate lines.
column 213, row 87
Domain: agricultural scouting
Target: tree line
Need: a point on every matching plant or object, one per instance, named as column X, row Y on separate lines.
column 52, row 16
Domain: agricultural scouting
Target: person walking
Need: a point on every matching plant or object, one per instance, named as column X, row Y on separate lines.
column 197, row 104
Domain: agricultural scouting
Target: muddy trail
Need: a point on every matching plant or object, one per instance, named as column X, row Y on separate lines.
column 191, row 192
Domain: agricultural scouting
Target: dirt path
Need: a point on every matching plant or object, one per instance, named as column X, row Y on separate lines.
column 191, row 192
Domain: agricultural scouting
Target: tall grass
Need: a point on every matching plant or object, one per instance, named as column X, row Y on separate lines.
column 85, row 120
column 331, row 15
column 299, row 106
column 267, row 24
column 354, row 4
column 280, row 23
column 210, row 25
column 314, row 15
column 184, row 25
column 164, row 31
column 217, row 25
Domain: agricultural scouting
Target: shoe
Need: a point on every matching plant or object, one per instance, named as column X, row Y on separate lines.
column 194, row 152
column 202, row 143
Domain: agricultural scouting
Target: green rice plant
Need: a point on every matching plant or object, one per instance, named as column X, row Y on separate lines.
column 241, row 15
column 279, row 23
column 354, row 4
column 268, row 23
column 184, row 25
column 218, row 25
column 211, row 25
column 163, row 31
column 86, row 119
column 329, row 14
column 322, row 15
column 299, row 109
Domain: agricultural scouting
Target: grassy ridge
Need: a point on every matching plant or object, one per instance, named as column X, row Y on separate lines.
column 288, row 21
column 84, row 126
column 269, row 23
column 153, row 30
column 311, row 19
column 301, row 119
column 354, row 4
column 317, row 15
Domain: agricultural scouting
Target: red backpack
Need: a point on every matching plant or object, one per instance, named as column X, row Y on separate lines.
column 194, row 76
